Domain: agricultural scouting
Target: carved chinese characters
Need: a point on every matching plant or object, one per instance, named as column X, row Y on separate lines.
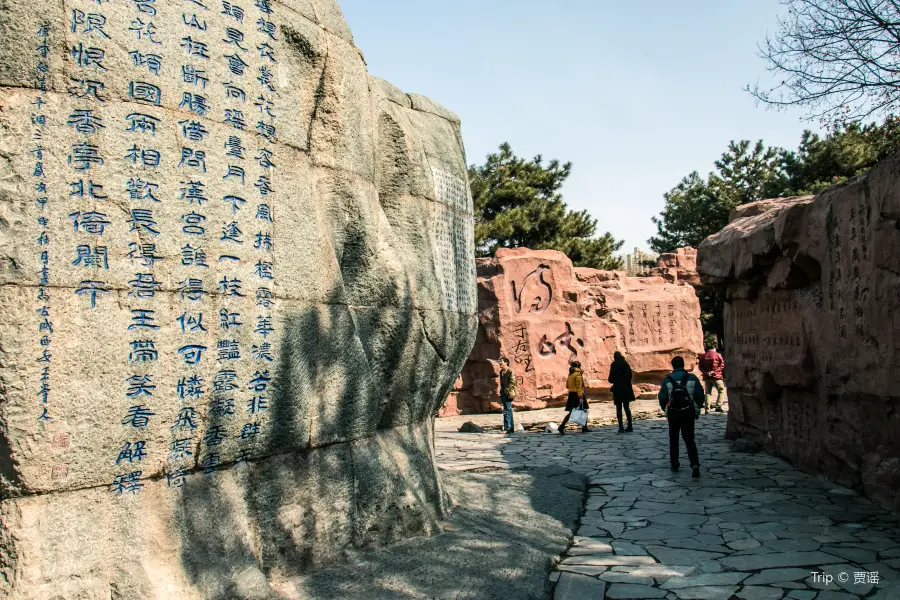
column 810, row 324
column 453, row 238
column 160, row 205
column 238, row 274
column 544, row 315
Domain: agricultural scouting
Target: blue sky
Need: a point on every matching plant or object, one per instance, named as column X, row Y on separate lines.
column 635, row 94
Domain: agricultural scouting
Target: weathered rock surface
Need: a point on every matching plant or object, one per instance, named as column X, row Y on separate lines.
column 812, row 322
column 237, row 282
column 679, row 266
column 537, row 309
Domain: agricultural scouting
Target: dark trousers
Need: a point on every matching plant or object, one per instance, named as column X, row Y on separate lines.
column 565, row 420
column 508, row 416
column 627, row 407
column 683, row 423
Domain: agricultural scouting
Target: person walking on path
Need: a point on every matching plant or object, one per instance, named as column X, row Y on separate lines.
column 576, row 398
column 508, row 393
column 712, row 366
column 681, row 397
column 623, row 394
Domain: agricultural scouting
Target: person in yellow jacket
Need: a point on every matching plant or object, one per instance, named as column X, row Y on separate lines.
column 576, row 399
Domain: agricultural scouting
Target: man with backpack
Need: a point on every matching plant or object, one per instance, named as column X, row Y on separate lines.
column 681, row 397
column 712, row 366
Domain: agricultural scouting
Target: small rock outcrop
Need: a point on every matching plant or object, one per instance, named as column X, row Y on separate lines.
column 542, row 313
column 679, row 266
column 470, row 427
column 812, row 318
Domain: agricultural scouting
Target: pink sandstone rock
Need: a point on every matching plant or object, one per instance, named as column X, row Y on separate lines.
column 812, row 318
column 537, row 309
column 679, row 266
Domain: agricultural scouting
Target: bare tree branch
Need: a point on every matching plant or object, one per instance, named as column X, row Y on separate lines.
column 839, row 59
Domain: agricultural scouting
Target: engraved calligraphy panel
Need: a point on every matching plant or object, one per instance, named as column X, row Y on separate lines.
column 453, row 240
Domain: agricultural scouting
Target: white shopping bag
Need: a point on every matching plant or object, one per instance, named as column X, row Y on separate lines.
column 579, row 417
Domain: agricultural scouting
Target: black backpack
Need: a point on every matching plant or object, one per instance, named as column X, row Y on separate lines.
column 680, row 399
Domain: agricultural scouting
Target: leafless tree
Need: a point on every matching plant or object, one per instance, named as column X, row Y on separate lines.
column 839, row 59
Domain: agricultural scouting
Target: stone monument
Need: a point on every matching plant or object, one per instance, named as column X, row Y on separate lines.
column 812, row 318
column 237, row 282
column 542, row 313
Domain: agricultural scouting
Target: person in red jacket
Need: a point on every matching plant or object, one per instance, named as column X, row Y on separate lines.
column 712, row 366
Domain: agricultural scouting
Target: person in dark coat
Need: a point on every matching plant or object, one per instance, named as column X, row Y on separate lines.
column 623, row 394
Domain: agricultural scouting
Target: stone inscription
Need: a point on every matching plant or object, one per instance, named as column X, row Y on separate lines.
column 454, row 244
column 652, row 324
column 522, row 350
column 153, row 228
column 41, row 196
column 538, row 296
column 565, row 342
column 775, row 331
column 850, row 229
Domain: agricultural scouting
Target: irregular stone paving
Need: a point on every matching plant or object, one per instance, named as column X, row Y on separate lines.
column 751, row 528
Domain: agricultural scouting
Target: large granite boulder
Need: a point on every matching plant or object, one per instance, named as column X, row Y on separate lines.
column 542, row 313
column 812, row 292
column 237, row 282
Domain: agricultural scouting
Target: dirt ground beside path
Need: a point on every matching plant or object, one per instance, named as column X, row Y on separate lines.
column 506, row 533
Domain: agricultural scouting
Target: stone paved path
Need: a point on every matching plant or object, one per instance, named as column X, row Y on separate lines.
column 751, row 528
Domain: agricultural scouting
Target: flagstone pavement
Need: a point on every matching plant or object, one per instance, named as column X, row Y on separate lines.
column 751, row 528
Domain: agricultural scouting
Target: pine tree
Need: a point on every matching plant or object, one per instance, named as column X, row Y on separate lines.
column 518, row 204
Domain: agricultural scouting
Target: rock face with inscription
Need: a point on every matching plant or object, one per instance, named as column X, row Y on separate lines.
column 237, row 283
column 542, row 313
column 812, row 318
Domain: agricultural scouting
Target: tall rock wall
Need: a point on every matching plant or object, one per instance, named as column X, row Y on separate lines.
column 542, row 313
column 237, row 281
column 812, row 319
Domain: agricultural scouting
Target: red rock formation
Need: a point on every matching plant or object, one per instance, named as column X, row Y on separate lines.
column 679, row 266
column 542, row 313
column 812, row 323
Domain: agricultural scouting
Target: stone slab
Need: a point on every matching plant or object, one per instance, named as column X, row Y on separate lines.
column 777, row 575
column 608, row 560
column 750, row 592
column 778, row 560
column 711, row 579
column 579, row 587
column 627, row 591
column 706, row 593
